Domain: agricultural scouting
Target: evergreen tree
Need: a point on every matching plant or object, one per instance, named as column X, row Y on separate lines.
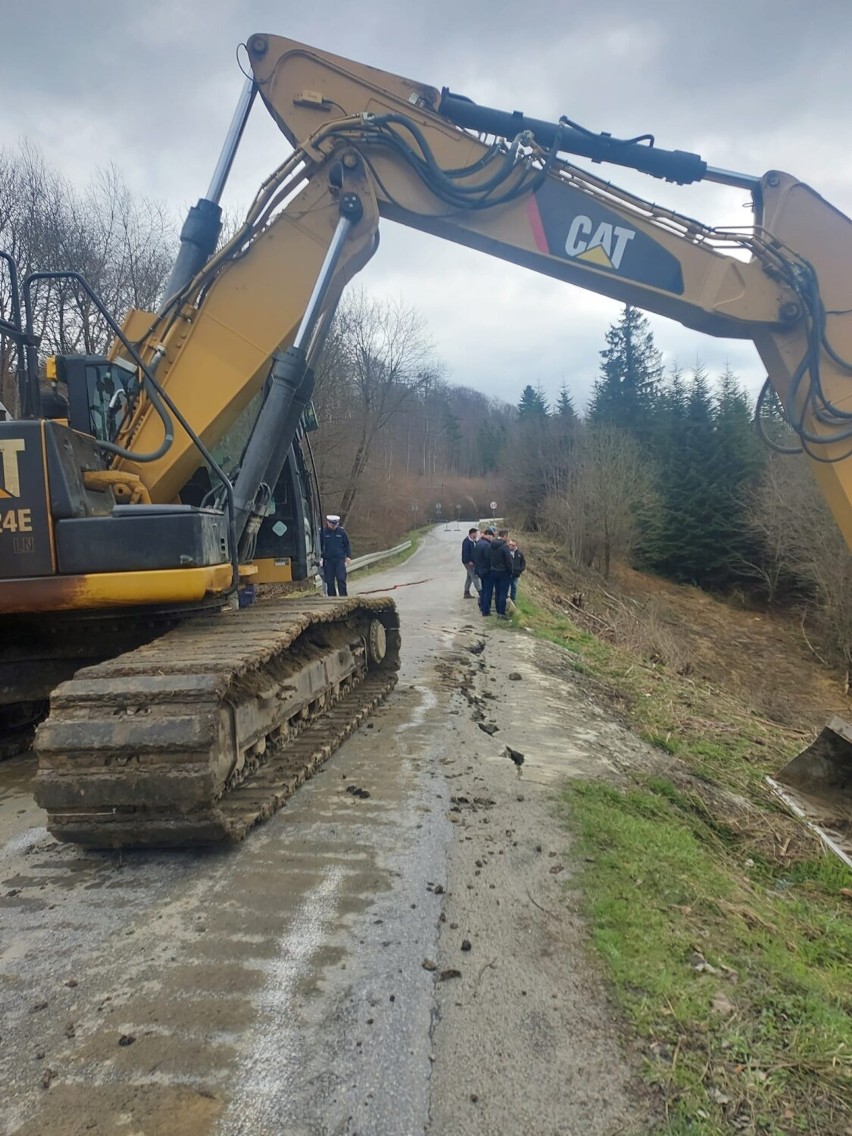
column 707, row 456
column 532, row 404
column 528, row 464
column 741, row 458
column 565, row 406
column 631, row 370
column 539, row 390
column 689, row 545
column 453, row 435
column 666, row 434
column 490, row 445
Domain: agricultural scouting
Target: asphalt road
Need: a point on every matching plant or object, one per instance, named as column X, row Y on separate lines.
column 400, row 964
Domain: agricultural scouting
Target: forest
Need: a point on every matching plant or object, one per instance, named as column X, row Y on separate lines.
column 664, row 471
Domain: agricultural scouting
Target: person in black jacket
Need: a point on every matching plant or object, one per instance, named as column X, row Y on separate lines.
column 468, row 545
column 501, row 571
column 336, row 554
column 482, row 567
column 519, row 563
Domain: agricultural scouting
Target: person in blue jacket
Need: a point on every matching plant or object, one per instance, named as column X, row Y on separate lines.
column 482, row 562
column 336, row 554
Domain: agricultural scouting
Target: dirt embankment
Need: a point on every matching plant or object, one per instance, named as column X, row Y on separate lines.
column 732, row 692
column 762, row 658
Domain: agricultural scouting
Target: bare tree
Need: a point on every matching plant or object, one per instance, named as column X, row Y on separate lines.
column 121, row 244
column 538, row 464
column 382, row 356
column 770, row 510
column 608, row 486
column 801, row 542
column 31, row 196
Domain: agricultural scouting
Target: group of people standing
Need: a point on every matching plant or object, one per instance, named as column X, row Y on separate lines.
column 493, row 564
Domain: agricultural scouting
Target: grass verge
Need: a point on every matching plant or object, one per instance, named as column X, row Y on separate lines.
column 723, row 927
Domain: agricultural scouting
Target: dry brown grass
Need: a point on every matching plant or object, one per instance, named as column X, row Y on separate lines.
column 758, row 657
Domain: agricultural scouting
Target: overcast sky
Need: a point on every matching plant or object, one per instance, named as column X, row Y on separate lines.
column 750, row 85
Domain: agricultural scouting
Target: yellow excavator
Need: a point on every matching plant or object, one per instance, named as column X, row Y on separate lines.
column 176, row 715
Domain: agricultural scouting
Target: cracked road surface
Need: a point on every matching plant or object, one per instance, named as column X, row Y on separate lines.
column 400, row 963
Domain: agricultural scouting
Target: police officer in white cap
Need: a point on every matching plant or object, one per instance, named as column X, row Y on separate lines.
column 336, row 554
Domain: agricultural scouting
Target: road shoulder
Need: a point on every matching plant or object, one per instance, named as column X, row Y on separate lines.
column 523, row 1027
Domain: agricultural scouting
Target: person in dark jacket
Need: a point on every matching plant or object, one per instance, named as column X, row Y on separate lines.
column 519, row 563
column 468, row 545
column 501, row 571
column 336, row 554
column 482, row 567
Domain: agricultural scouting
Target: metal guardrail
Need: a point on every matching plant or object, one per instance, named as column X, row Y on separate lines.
column 370, row 558
column 375, row 557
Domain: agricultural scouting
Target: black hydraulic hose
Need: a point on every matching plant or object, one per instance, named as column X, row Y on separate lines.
column 462, row 198
column 456, row 174
column 674, row 165
column 445, row 183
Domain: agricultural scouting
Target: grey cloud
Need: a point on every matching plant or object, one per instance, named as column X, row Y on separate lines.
column 749, row 84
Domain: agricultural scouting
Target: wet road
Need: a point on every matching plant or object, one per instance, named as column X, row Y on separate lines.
column 278, row 987
column 262, row 985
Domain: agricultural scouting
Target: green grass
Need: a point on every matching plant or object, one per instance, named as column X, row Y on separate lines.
column 738, row 987
column 731, row 963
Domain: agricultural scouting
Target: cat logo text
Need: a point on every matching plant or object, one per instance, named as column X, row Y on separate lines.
column 603, row 246
column 12, row 520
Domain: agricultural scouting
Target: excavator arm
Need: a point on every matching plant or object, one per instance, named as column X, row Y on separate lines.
column 212, row 344
column 510, row 197
column 501, row 183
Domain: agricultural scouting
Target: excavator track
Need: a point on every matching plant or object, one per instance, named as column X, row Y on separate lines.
column 205, row 732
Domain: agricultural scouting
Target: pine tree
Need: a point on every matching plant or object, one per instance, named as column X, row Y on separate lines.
column 667, row 424
column 707, row 455
column 453, row 435
column 741, row 458
column 565, row 406
column 689, row 545
column 490, row 446
column 532, row 404
column 631, row 370
column 527, row 464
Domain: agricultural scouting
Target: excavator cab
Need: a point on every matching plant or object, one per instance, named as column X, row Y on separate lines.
column 94, row 391
column 81, row 534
